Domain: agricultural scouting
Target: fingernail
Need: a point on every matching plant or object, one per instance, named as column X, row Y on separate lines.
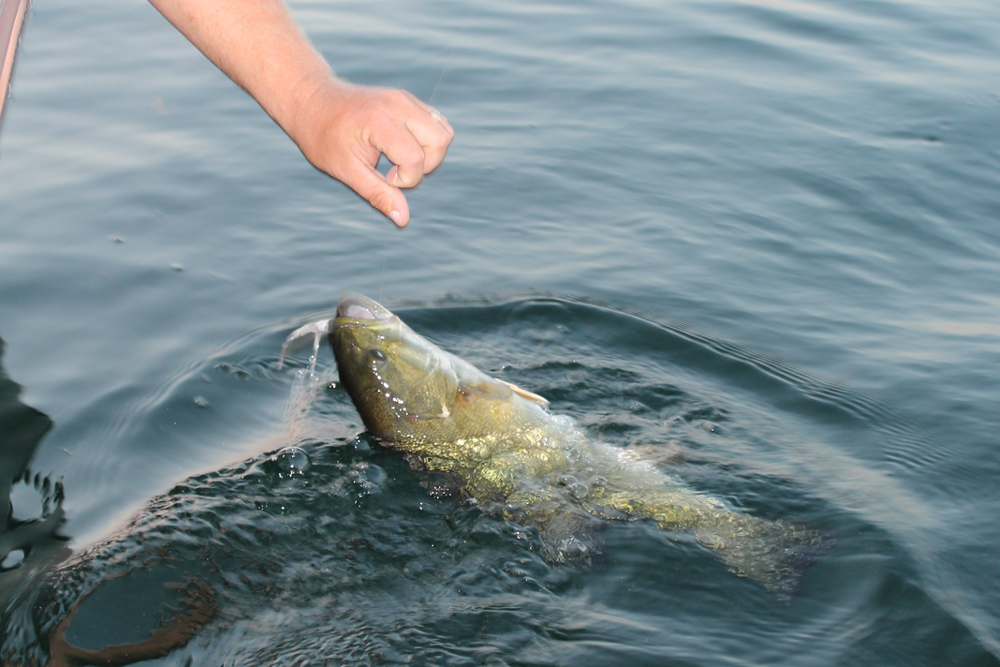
column 396, row 217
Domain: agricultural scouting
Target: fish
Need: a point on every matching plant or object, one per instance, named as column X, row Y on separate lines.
column 501, row 447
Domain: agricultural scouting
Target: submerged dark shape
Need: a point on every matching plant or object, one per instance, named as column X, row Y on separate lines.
column 43, row 588
column 21, row 430
column 501, row 446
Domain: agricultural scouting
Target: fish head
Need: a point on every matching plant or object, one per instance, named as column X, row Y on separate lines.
column 399, row 381
column 409, row 391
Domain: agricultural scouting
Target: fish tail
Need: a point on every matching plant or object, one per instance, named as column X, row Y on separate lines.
column 774, row 553
column 771, row 552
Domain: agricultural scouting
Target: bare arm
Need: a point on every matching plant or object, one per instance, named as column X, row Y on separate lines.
column 340, row 128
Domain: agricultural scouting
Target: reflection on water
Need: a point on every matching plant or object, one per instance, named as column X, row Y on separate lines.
column 30, row 502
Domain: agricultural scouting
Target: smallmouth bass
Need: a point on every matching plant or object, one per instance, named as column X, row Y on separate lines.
column 499, row 445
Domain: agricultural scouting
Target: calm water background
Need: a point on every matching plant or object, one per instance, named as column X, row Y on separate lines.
column 780, row 217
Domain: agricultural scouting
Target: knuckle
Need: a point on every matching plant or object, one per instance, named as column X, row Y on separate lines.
column 396, row 96
column 410, row 180
column 410, row 168
column 443, row 135
column 433, row 160
column 380, row 200
column 371, row 115
column 414, row 159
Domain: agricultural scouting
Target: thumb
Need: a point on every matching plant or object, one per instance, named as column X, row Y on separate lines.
column 371, row 185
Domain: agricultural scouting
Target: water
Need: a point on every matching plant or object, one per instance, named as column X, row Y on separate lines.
column 754, row 241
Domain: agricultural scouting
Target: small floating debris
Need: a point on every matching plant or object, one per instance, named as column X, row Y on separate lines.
column 201, row 401
column 116, row 239
column 176, row 266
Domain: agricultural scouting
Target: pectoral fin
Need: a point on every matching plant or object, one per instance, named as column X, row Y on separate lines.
column 485, row 387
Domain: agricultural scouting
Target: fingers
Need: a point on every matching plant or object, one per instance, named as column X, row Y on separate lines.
column 342, row 129
column 413, row 140
column 416, row 142
column 438, row 117
column 370, row 184
column 403, row 149
column 433, row 131
column 434, row 136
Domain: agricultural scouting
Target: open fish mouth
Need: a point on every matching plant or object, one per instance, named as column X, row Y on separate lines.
column 359, row 307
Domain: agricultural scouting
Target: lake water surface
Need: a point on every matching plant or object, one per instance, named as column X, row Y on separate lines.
column 754, row 241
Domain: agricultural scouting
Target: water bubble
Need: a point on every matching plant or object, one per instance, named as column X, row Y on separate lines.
column 359, row 443
column 13, row 559
column 368, row 477
column 291, row 461
column 27, row 502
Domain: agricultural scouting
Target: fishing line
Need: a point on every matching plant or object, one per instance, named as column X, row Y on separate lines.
column 444, row 70
column 385, row 253
column 447, row 62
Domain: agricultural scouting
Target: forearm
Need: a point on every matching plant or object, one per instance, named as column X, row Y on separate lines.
column 340, row 128
column 257, row 44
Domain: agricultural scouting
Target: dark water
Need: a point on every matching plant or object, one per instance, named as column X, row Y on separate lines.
column 782, row 217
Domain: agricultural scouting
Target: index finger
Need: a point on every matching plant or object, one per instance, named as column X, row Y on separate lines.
column 401, row 147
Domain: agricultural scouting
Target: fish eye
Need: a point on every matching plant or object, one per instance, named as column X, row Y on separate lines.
column 375, row 357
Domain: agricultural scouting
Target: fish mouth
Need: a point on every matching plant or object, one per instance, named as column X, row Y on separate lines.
column 358, row 307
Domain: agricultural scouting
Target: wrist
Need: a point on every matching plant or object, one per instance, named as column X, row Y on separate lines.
column 306, row 100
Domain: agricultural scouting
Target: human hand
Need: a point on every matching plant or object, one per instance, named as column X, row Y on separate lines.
column 342, row 129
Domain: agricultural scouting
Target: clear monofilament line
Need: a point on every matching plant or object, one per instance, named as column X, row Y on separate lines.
column 381, row 280
column 447, row 62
